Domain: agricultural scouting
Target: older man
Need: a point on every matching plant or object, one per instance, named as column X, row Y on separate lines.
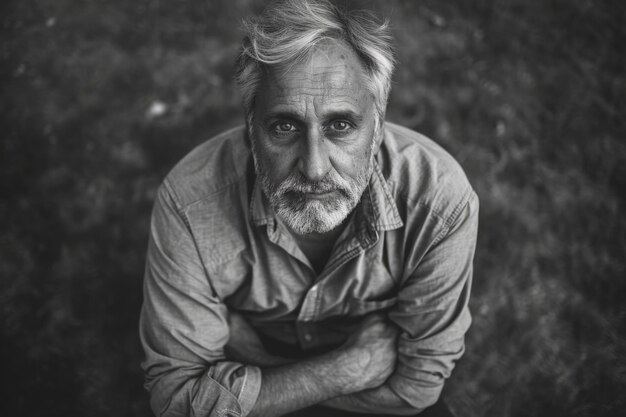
column 317, row 257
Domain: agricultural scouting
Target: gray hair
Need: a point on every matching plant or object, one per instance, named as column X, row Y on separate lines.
column 288, row 30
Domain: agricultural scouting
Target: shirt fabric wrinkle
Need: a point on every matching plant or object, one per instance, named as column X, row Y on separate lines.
column 386, row 260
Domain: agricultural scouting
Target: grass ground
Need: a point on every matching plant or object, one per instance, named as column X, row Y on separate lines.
column 101, row 98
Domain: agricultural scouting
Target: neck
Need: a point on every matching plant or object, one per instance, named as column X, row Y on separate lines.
column 317, row 246
column 330, row 236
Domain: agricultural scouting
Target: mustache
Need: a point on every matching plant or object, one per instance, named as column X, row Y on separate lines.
column 298, row 183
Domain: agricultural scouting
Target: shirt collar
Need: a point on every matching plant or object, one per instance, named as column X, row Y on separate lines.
column 384, row 212
column 261, row 213
column 377, row 205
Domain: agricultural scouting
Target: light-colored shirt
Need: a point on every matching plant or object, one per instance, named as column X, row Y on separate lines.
column 216, row 246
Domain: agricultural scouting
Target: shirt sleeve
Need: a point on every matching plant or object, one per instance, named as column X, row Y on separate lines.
column 432, row 310
column 184, row 327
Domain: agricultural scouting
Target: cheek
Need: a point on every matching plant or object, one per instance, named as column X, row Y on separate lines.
column 348, row 164
column 280, row 167
column 277, row 164
column 367, row 146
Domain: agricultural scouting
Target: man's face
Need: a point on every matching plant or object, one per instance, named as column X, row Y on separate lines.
column 314, row 139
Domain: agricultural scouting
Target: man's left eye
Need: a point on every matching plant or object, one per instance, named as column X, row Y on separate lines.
column 340, row 125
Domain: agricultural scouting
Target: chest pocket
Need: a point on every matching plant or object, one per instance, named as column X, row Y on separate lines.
column 217, row 226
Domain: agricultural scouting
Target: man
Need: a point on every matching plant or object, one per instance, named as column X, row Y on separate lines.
column 317, row 257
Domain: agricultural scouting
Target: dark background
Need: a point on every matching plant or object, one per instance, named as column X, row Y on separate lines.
column 101, row 98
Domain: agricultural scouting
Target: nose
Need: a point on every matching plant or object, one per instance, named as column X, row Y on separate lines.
column 314, row 160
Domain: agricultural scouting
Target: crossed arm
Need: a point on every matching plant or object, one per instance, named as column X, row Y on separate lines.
column 184, row 329
column 349, row 378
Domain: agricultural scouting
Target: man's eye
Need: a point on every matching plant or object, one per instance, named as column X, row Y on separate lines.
column 284, row 127
column 340, row 126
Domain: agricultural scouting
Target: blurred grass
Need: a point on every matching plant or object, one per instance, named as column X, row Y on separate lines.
column 101, row 98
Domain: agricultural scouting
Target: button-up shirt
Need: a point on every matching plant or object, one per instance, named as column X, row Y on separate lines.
column 216, row 246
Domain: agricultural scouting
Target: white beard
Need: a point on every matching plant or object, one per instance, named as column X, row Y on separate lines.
column 304, row 215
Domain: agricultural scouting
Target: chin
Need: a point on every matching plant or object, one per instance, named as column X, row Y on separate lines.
column 314, row 217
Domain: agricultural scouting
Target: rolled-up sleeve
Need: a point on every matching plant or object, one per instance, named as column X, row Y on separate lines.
column 432, row 310
column 184, row 327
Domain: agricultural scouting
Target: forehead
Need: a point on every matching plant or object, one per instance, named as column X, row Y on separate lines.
column 331, row 75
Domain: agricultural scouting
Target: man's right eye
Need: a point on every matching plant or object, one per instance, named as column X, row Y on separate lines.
column 284, row 127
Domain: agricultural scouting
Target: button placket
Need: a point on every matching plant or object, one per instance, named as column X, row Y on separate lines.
column 305, row 335
column 307, row 312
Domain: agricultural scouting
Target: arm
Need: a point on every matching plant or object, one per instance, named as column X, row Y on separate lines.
column 245, row 346
column 377, row 400
column 363, row 362
column 183, row 327
column 302, row 384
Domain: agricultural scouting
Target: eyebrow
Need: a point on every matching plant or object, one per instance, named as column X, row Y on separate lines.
column 281, row 115
column 344, row 114
column 333, row 115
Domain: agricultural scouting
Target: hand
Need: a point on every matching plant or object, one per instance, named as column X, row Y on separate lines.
column 372, row 351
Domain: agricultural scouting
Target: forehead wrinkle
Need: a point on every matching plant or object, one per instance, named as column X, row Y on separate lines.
column 321, row 78
column 327, row 98
column 326, row 92
column 320, row 108
column 333, row 90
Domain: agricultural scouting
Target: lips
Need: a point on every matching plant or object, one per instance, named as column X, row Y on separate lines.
column 321, row 196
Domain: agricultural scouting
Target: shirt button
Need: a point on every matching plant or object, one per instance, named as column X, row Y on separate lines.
column 307, row 337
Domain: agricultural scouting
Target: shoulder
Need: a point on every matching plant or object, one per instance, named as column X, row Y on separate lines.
column 421, row 173
column 211, row 191
column 211, row 168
